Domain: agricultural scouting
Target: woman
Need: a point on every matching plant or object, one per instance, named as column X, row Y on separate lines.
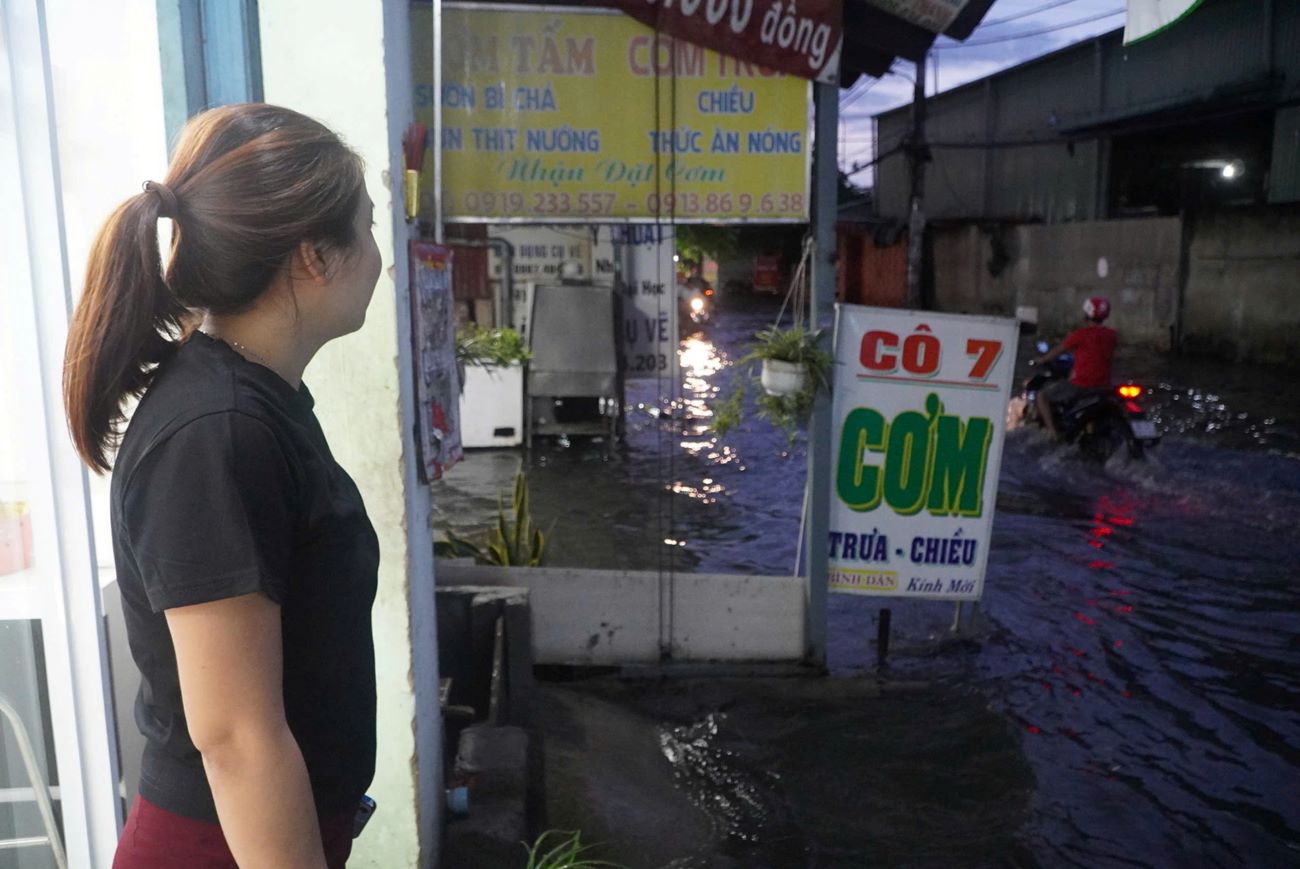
column 246, row 561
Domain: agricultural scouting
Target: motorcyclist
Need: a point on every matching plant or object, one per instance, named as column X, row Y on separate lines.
column 695, row 277
column 1093, row 347
column 691, row 293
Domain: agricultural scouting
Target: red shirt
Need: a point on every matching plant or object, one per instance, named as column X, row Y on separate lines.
column 1093, row 347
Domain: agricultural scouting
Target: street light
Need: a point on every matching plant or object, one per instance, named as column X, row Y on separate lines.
column 1228, row 168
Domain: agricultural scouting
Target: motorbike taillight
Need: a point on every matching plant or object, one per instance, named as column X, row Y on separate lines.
column 1129, row 390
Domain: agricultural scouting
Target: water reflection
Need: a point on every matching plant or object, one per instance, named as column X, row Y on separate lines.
column 699, row 361
column 1139, row 633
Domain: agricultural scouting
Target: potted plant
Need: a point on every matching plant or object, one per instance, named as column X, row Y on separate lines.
column 791, row 370
column 491, row 366
column 514, row 540
column 567, row 853
column 483, row 346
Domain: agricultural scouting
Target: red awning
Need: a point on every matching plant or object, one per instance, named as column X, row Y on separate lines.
column 868, row 36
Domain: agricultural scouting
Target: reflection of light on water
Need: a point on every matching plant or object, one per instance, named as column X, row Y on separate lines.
column 699, row 361
column 697, row 408
column 725, row 456
column 706, row 493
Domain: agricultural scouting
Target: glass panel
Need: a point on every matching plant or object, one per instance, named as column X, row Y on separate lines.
column 108, row 102
column 27, row 756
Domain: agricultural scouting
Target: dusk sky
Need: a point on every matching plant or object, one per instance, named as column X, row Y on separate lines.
column 993, row 46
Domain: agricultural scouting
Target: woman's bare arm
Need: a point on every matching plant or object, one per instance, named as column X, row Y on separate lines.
column 230, row 661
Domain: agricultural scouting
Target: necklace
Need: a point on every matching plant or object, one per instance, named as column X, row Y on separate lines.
column 243, row 350
column 261, row 360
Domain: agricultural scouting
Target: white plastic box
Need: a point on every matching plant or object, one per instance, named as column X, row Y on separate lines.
column 492, row 406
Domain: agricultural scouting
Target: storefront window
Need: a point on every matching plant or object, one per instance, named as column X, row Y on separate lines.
column 30, row 805
column 61, row 796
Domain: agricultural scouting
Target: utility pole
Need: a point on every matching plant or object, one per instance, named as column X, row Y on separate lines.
column 825, row 206
column 918, row 153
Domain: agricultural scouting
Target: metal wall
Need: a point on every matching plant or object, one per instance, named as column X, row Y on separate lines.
column 1284, row 180
column 1224, row 47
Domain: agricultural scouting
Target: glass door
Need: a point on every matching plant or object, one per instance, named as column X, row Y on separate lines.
column 31, row 816
column 60, row 798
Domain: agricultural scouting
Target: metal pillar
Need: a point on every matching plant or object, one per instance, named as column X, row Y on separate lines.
column 825, row 205
column 918, row 154
column 437, row 122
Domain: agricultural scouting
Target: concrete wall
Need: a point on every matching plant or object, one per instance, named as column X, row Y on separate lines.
column 348, row 64
column 1054, row 268
column 599, row 617
column 1243, row 289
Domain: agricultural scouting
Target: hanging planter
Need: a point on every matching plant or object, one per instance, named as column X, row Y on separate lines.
column 792, row 369
column 783, row 378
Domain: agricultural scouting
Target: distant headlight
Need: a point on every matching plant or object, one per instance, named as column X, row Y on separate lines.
column 697, row 305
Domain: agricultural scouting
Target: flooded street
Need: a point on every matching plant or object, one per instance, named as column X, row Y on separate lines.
column 1128, row 693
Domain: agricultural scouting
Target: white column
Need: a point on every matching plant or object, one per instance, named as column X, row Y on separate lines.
column 348, row 65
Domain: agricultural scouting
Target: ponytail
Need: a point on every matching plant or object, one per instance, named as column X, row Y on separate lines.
column 252, row 181
column 125, row 324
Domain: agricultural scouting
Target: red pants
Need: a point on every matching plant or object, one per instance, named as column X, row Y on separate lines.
column 155, row 838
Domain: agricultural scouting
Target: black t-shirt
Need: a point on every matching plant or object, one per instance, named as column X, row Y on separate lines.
column 224, row 485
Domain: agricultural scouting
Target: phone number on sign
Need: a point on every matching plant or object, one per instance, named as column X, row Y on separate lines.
column 551, row 202
column 725, row 203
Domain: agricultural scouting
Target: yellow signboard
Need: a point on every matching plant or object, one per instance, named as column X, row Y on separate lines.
column 589, row 116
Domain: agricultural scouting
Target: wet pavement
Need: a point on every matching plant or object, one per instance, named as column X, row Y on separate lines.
column 1129, row 693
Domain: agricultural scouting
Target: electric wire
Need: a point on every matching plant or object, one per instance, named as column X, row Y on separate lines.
column 676, row 417
column 884, row 155
column 659, row 429
column 1013, row 37
column 860, row 94
column 1018, row 15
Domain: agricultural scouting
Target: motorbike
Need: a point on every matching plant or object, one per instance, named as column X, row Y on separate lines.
column 1099, row 422
column 695, row 306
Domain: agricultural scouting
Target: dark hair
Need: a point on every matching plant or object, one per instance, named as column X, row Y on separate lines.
column 247, row 184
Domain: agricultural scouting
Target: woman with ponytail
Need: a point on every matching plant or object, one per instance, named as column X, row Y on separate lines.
column 245, row 558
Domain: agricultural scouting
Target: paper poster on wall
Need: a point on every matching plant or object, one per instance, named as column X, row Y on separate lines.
column 561, row 115
column 437, row 382
column 919, row 418
column 649, row 289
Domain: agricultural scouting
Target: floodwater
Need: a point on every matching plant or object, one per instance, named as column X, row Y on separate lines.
column 1128, row 693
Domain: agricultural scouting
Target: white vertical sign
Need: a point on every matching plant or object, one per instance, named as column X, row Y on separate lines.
column 649, row 289
column 919, row 415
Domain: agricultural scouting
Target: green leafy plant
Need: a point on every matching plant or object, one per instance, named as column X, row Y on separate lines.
column 796, row 345
column 787, row 412
column 513, row 541
column 480, row 345
column 567, row 854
